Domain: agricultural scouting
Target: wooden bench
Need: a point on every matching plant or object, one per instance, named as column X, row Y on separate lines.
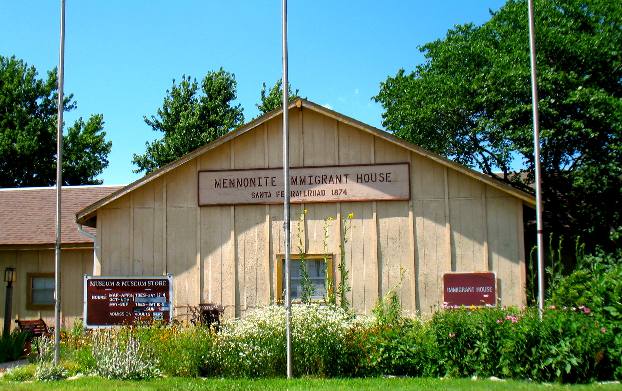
column 34, row 329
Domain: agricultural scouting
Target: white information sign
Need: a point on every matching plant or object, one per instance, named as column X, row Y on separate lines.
column 376, row 182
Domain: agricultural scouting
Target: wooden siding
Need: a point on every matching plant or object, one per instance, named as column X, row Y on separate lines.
column 227, row 254
column 74, row 265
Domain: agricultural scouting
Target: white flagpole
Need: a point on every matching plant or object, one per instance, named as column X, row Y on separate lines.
column 536, row 144
column 59, row 184
column 286, row 224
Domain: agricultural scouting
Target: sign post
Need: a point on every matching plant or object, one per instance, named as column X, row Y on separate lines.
column 59, row 185
column 286, row 195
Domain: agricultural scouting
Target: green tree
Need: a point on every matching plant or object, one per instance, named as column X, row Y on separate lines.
column 190, row 118
column 28, row 115
column 471, row 101
column 273, row 99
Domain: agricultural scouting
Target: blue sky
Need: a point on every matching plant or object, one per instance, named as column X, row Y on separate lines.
column 121, row 56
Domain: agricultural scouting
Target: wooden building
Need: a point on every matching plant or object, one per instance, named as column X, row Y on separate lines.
column 224, row 243
column 27, row 242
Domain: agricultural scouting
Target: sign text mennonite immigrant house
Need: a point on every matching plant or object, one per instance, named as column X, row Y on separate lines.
column 214, row 218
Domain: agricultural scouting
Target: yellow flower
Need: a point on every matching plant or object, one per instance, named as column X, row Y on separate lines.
column 350, row 215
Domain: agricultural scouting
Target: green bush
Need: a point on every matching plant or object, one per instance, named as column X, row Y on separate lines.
column 255, row 345
column 406, row 348
column 119, row 354
column 596, row 287
column 468, row 341
column 596, row 284
column 45, row 369
column 566, row 346
column 180, row 350
column 12, row 346
column 21, row 373
column 48, row 371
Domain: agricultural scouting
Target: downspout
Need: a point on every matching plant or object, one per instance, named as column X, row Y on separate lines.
column 86, row 233
column 96, row 264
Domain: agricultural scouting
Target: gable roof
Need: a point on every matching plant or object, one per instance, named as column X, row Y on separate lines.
column 85, row 215
column 28, row 215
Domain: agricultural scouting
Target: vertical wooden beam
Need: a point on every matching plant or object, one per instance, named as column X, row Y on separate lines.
column 412, row 231
column 448, row 256
column 97, row 250
column 131, row 212
column 337, row 228
column 199, row 261
column 521, row 253
column 232, row 237
column 374, row 294
column 164, row 226
column 485, row 227
column 267, row 294
column 302, row 138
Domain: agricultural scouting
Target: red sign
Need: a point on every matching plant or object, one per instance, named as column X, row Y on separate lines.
column 467, row 289
column 116, row 301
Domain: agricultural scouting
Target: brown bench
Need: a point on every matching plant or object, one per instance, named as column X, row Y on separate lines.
column 34, row 329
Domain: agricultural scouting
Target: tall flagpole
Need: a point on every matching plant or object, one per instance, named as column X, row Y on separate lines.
column 286, row 224
column 536, row 145
column 59, row 184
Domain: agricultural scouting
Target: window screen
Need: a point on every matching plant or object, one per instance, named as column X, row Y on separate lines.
column 42, row 290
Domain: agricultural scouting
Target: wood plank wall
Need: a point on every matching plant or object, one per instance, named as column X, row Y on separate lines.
column 74, row 264
column 227, row 254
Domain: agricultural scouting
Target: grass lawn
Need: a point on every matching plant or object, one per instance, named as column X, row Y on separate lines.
column 297, row 384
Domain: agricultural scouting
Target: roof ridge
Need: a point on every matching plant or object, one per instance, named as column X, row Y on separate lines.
column 54, row 187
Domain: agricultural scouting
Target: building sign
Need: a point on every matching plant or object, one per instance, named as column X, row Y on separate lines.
column 114, row 301
column 478, row 289
column 376, row 182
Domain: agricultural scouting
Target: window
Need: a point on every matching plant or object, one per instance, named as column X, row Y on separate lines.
column 40, row 291
column 316, row 266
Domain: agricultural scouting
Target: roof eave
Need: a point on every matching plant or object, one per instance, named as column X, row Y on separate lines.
column 87, row 215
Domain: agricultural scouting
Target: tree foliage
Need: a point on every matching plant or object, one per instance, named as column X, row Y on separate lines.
column 273, row 99
column 471, row 101
column 28, row 116
column 191, row 117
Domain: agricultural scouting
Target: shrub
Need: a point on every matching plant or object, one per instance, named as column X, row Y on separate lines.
column 566, row 346
column 180, row 349
column 118, row 354
column 468, row 341
column 83, row 357
column 255, row 345
column 45, row 369
column 20, row 373
column 406, row 348
column 319, row 339
column 596, row 284
column 12, row 346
